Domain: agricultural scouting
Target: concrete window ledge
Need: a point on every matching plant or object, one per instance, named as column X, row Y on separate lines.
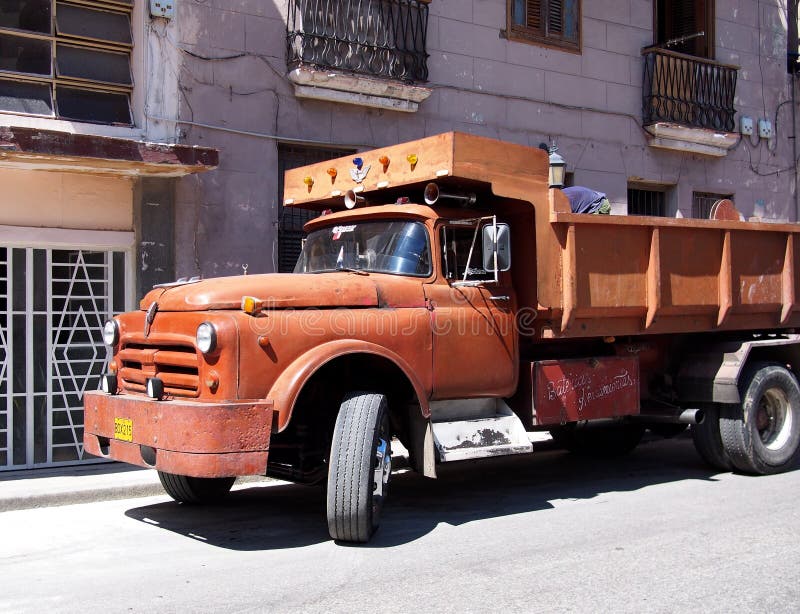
column 357, row 89
column 703, row 141
column 32, row 148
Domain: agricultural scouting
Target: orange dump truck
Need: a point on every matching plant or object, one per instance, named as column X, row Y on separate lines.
column 453, row 303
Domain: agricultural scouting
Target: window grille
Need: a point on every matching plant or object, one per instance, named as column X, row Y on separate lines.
column 646, row 202
column 70, row 60
column 547, row 22
column 292, row 219
column 703, row 201
column 380, row 38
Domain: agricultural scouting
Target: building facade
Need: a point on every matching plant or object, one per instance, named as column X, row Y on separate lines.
column 85, row 196
column 665, row 105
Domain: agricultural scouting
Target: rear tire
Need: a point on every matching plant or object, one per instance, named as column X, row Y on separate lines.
column 360, row 467
column 708, row 442
column 191, row 490
column 762, row 435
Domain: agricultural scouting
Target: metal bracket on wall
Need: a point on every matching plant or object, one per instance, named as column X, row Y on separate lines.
column 162, row 8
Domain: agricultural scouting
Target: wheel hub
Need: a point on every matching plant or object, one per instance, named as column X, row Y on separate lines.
column 773, row 419
column 383, row 467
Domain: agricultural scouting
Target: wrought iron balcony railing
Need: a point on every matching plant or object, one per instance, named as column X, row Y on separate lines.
column 688, row 90
column 379, row 38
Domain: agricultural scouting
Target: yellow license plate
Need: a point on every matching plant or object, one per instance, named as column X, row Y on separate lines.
column 123, row 429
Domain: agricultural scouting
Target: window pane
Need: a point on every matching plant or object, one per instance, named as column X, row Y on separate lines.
column 21, row 97
column 82, row 105
column 94, row 65
column 88, row 23
column 33, row 15
column 22, row 54
column 519, row 12
column 571, row 20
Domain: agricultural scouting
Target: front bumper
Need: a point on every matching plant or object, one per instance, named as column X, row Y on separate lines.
column 182, row 437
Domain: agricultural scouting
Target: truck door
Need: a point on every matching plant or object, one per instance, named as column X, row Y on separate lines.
column 475, row 347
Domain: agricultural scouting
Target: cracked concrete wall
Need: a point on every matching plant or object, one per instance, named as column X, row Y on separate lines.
column 154, row 223
column 232, row 76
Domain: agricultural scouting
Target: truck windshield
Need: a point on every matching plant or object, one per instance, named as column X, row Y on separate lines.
column 398, row 247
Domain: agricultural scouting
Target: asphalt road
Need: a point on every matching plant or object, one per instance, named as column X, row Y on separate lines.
column 654, row 532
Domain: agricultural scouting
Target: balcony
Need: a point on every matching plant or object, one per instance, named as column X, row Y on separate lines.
column 688, row 102
column 364, row 52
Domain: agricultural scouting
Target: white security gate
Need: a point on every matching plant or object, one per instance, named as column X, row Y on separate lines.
column 54, row 300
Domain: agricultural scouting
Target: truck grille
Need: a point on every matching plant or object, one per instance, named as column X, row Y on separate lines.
column 175, row 365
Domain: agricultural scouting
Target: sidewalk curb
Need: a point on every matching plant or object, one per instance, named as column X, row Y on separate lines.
column 38, row 488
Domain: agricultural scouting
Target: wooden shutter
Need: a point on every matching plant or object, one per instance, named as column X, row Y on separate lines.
column 555, row 17
column 533, row 16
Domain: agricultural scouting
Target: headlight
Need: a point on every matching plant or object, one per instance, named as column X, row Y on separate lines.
column 206, row 337
column 111, row 333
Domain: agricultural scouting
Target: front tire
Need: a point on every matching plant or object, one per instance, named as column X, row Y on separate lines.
column 185, row 489
column 360, row 467
column 762, row 435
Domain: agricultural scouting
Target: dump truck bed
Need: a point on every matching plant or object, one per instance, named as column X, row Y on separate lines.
column 586, row 275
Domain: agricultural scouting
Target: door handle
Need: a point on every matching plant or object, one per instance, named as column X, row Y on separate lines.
column 499, row 298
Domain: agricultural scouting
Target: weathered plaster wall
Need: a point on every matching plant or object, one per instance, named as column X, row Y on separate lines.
column 66, row 200
column 154, row 222
column 483, row 84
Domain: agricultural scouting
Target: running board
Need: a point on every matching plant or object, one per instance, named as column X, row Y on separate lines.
column 497, row 435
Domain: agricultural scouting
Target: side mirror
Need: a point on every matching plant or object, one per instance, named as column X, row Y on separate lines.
column 500, row 244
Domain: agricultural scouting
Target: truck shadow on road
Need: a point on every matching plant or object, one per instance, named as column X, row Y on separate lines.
column 278, row 516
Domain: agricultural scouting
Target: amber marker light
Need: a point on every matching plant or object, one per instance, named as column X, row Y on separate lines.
column 263, row 341
column 113, row 367
column 309, row 181
column 412, row 160
column 251, row 305
column 333, row 172
column 384, row 160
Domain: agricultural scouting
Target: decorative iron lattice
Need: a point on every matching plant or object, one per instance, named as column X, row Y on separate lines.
column 53, row 303
column 687, row 90
column 380, row 38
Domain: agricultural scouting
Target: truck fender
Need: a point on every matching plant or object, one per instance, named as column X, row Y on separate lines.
column 713, row 375
column 287, row 387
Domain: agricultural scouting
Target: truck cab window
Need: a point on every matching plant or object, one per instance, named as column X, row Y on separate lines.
column 397, row 247
column 456, row 244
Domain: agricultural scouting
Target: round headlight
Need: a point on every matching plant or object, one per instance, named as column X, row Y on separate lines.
column 206, row 337
column 111, row 333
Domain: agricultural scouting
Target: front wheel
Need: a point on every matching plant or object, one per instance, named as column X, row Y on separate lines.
column 360, row 467
column 187, row 489
column 762, row 435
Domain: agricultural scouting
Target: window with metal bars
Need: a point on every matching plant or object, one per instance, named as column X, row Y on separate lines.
column 70, row 60
column 546, row 22
column 702, row 202
column 380, row 38
column 292, row 219
column 647, row 201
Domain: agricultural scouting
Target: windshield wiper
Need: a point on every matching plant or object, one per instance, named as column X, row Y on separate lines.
column 352, row 270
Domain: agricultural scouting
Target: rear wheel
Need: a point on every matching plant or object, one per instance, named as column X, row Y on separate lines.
column 186, row 489
column 360, row 467
column 707, row 439
column 762, row 435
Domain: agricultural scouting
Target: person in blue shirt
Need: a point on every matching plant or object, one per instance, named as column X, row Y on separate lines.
column 584, row 200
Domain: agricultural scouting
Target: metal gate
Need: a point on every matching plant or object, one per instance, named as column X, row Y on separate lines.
column 53, row 303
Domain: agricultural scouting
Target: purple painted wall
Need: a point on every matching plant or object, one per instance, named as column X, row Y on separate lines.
column 483, row 84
